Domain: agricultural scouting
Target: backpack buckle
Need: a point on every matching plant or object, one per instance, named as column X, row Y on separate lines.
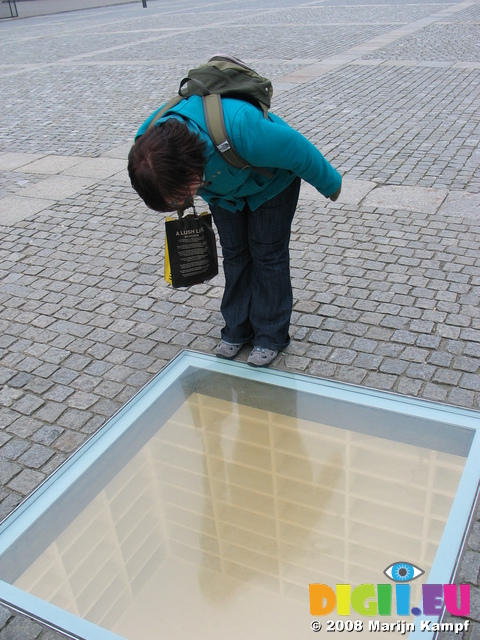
column 224, row 146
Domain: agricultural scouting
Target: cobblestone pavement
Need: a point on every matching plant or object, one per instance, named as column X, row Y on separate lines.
column 386, row 280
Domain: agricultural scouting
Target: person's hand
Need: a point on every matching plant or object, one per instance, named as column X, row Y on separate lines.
column 335, row 195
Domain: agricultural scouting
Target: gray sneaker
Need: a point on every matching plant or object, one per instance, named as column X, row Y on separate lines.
column 261, row 357
column 226, row 350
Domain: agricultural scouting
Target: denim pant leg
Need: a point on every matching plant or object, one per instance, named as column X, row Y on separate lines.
column 269, row 238
column 257, row 302
column 237, row 266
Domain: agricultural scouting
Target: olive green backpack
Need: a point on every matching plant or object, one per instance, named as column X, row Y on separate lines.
column 224, row 76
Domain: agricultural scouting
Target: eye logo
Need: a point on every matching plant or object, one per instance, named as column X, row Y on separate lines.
column 403, row 572
column 372, row 600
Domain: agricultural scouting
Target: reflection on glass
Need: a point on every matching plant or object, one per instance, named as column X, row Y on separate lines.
column 228, row 512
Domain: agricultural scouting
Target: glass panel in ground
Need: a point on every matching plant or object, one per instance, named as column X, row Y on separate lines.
column 230, row 510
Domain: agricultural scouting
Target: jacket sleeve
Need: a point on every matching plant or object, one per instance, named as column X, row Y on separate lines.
column 271, row 143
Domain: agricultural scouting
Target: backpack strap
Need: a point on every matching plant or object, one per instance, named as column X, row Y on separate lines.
column 212, row 106
column 172, row 103
column 213, row 110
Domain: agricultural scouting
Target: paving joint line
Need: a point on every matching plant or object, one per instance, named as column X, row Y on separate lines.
column 143, row 41
column 353, row 54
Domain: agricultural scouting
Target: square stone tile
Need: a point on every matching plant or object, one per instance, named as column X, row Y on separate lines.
column 400, row 63
column 57, row 187
column 308, row 72
column 120, row 152
column 123, row 176
column 10, row 161
column 466, row 65
column 375, row 62
column 462, row 205
column 14, row 209
column 51, row 164
column 353, row 191
column 420, row 199
column 282, row 87
column 98, row 168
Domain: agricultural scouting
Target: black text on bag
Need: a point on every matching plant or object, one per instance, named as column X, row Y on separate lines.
column 190, row 250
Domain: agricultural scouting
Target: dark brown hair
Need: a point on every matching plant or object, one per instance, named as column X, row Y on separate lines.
column 164, row 161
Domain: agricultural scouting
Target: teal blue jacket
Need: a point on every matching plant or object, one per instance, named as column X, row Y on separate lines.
column 269, row 143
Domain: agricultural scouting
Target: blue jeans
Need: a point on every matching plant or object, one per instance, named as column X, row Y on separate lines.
column 257, row 301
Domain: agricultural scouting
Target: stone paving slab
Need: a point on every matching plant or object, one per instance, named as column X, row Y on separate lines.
column 462, row 204
column 353, row 191
column 120, row 152
column 9, row 161
column 57, row 187
column 98, row 168
column 14, row 209
column 49, row 164
column 416, row 199
column 386, row 281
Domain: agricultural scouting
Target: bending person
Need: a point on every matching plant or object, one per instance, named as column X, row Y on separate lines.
column 252, row 209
